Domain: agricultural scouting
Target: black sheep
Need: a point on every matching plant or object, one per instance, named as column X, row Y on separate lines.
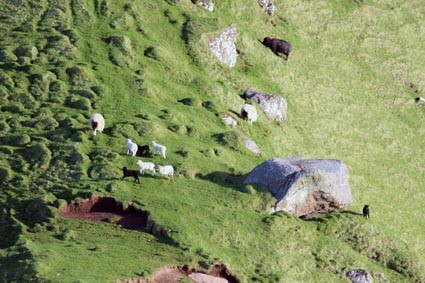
column 130, row 173
column 278, row 46
column 366, row 211
column 142, row 150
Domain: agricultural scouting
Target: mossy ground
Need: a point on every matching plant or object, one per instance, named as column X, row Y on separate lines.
column 350, row 82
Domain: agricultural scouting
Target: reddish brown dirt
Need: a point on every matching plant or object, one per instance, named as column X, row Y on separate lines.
column 174, row 275
column 105, row 209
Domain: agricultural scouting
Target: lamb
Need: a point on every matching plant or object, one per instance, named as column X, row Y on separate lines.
column 131, row 147
column 249, row 113
column 157, row 148
column 366, row 211
column 143, row 150
column 146, row 166
column 130, row 173
column 97, row 123
column 166, row 170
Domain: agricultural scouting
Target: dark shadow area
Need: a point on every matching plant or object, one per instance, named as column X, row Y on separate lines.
column 17, row 266
column 224, row 179
column 351, row 212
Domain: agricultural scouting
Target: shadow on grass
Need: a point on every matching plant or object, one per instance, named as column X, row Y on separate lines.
column 226, row 180
column 17, row 266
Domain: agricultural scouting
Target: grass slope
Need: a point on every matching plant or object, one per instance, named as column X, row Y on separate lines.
column 350, row 82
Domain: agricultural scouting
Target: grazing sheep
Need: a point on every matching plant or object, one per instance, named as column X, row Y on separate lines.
column 146, row 166
column 366, row 211
column 249, row 113
column 131, row 147
column 278, row 46
column 143, row 150
column 97, row 123
column 166, row 170
column 420, row 100
column 157, row 148
column 130, row 173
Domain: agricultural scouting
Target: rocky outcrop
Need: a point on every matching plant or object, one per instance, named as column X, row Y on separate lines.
column 273, row 105
column 207, row 4
column 223, row 46
column 359, row 276
column 304, row 187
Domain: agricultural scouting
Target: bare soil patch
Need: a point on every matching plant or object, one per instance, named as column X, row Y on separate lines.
column 218, row 273
column 105, row 209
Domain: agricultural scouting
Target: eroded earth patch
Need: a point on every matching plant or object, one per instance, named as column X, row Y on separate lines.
column 105, row 209
column 217, row 273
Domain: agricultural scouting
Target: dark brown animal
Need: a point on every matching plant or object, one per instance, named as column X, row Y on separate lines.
column 143, row 150
column 130, row 173
column 366, row 211
column 278, row 46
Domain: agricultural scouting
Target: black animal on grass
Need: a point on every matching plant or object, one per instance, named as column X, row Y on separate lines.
column 143, row 150
column 278, row 46
column 130, row 173
column 366, row 211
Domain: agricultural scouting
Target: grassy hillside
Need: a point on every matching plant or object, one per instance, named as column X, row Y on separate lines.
column 350, row 85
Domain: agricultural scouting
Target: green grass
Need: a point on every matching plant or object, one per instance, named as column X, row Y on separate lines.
column 350, row 82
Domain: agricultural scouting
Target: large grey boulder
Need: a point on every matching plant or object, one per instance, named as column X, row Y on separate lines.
column 223, row 46
column 304, row 187
column 273, row 105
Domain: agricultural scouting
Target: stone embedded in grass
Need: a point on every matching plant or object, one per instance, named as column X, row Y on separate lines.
column 359, row 276
column 223, row 46
column 251, row 145
column 273, row 105
column 304, row 187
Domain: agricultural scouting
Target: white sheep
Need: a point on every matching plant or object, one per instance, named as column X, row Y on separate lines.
column 420, row 100
column 167, row 171
column 249, row 113
column 157, row 148
column 131, row 147
column 96, row 123
column 146, row 166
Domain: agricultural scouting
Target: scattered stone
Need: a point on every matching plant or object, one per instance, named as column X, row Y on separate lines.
column 229, row 120
column 223, row 46
column 251, row 145
column 273, row 105
column 267, row 5
column 304, row 187
column 207, row 4
column 359, row 276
